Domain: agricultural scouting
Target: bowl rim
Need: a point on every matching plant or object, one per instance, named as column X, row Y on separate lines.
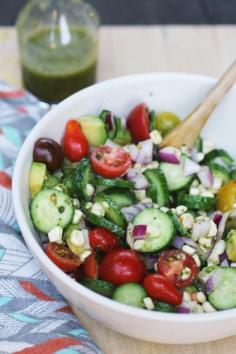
column 37, row 250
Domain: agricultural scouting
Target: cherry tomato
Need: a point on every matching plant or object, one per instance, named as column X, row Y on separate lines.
column 110, row 162
column 5, row 180
column 138, row 123
column 63, row 257
column 90, row 266
column 122, row 266
column 102, row 239
column 172, row 263
column 161, row 288
column 226, row 196
column 75, row 143
column 48, row 151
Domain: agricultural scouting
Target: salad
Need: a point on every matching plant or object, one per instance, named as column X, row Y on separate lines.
column 149, row 227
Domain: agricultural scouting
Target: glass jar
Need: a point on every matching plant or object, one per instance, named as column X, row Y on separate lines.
column 58, row 41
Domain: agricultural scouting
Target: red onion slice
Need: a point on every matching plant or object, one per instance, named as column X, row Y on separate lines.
column 206, row 177
column 136, row 176
column 212, row 281
column 191, row 167
column 178, row 242
column 142, row 152
column 217, row 216
column 182, row 309
column 169, row 154
column 221, row 226
column 130, row 212
column 139, row 232
column 109, row 121
column 150, row 260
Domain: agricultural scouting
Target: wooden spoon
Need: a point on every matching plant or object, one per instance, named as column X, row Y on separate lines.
column 190, row 128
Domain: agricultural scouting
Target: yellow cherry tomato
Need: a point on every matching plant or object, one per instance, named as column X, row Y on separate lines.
column 226, row 196
column 166, row 121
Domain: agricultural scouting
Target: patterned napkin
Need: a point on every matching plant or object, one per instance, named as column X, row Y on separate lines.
column 34, row 318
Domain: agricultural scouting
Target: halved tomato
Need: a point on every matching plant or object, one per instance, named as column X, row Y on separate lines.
column 110, row 162
column 138, row 123
column 174, row 263
column 90, row 266
column 63, row 257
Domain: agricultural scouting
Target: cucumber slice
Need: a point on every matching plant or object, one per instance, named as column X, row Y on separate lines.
column 51, row 208
column 105, row 114
column 131, row 294
column 224, row 295
column 76, row 181
column 220, row 171
column 121, row 197
column 118, row 182
column 122, row 135
column 103, row 222
column 198, row 144
column 51, row 181
column 160, row 229
column 233, row 175
column 217, row 153
column 196, row 202
column 112, row 211
column 99, row 286
column 181, row 230
column 38, row 173
column 163, row 307
column 94, row 129
column 158, row 189
column 231, row 245
column 175, row 175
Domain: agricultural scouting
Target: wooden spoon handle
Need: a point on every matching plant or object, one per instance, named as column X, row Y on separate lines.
column 190, row 128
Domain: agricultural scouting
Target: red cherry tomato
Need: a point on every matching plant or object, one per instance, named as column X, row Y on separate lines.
column 161, row 288
column 75, row 143
column 122, row 266
column 102, row 239
column 110, row 162
column 5, row 180
column 172, row 263
column 138, row 123
column 63, row 257
column 90, row 266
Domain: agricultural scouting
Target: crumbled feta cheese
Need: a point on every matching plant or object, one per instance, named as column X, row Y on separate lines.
column 173, row 210
column 148, row 303
column 164, row 209
column 201, row 297
column 84, row 255
column 140, row 194
column 186, row 296
column 151, row 166
column 181, row 209
column 98, row 209
column 55, row 235
column 205, row 242
column 185, row 274
column 194, row 191
column 199, row 156
column 105, row 204
column 198, row 309
column 188, row 249
column 77, row 238
column 88, row 205
column 156, row 137
column 213, row 259
column 187, row 220
column 185, row 150
column 207, row 307
column 197, row 259
column 207, row 194
column 76, row 202
column 207, row 146
column 138, row 245
column 213, row 230
column 77, row 216
column 217, row 183
column 89, row 190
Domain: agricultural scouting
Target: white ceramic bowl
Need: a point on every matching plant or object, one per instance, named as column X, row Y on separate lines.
column 166, row 91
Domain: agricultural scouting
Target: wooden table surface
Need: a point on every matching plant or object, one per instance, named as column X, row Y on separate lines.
column 126, row 50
